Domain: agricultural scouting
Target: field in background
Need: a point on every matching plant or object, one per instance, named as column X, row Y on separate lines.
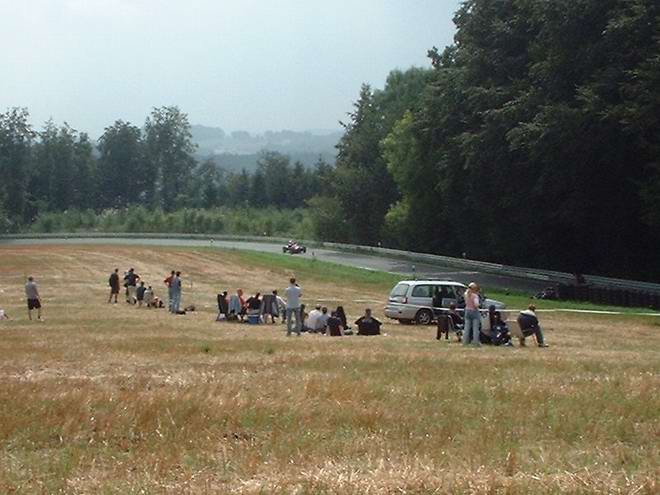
column 114, row 399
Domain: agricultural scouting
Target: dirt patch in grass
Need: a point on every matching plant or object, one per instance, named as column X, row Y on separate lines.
column 115, row 399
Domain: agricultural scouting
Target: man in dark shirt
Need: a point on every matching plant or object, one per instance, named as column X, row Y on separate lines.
column 367, row 324
column 113, row 282
column 335, row 328
column 130, row 281
column 139, row 293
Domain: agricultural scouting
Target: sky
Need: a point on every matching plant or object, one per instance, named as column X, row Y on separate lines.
column 251, row 65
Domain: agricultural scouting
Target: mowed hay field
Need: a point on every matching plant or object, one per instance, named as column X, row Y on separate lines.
column 106, row 398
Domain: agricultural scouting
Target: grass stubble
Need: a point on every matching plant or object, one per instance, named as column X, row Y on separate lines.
column 114, row 399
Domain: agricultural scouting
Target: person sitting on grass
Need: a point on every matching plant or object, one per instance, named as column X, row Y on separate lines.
column 367, row 324
column 4, row 315
column 148, row 297
column 139, row 294
column 253, row 304
column 499, row 330
column 322, row 324
column 311, row 323
column 529, row 325
column 335, row 328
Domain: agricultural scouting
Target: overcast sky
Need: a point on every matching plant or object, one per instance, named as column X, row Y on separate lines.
column 236, row 64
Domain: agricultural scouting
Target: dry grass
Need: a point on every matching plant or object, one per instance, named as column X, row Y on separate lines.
column 115, row 399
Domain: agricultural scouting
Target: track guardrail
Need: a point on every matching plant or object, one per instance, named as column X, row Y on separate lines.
column 549, row 276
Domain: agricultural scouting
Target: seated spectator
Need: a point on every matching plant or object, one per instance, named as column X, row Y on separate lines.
column 499, row 330
column 322, row 324
column 148, row 297
column 529, row 325
column 341, row 314
column 335, row 328
column 139, row 294
column 270, row 307
column 236, row 306
column 311, row 323
column 367, row 324
column 253, row 305
column 3, row 315
column 281, row 306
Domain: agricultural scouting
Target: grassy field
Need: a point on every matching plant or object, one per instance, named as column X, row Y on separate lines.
column 106, row 398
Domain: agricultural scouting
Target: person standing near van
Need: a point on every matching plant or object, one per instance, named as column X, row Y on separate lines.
column 293, row 293
column 472, row 316
column 33, row 298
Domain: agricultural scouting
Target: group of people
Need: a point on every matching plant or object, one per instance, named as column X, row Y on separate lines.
column 139, row 294
column 469, row 326
column 261, row 309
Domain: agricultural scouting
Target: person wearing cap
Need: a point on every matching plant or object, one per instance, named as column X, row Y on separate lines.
column 472, row 326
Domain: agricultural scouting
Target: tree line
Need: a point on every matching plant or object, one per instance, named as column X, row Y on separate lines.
column 532, row 140
column 59, row 168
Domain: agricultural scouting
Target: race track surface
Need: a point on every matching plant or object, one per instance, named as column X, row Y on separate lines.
column 407, row 269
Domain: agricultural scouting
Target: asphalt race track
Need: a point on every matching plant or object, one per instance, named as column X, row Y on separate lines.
column 370, row 262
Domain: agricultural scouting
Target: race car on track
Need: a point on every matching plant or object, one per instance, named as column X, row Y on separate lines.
column 294, row 247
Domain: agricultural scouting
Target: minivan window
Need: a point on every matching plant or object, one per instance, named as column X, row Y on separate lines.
column 399, row 290
column 422, row 291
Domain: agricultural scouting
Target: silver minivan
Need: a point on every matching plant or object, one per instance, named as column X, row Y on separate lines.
column 412, row 300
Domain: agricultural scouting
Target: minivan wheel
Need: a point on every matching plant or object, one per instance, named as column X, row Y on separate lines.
column 424, row 317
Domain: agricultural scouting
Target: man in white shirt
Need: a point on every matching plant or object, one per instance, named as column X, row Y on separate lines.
column 313, row 322
column 293, row 293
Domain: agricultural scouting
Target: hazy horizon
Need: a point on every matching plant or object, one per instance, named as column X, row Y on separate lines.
column 238, row 65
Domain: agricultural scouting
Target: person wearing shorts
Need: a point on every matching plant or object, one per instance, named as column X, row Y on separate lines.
column 33, row 298
column 113, row 282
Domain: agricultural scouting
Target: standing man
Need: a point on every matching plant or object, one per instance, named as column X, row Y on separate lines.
column 33, row 299
column 168, row 282
column 176, row 293
column 130, row 281
column 293, row 293
column 113, row 282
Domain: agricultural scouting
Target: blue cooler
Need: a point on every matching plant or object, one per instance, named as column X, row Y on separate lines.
column 254, row 319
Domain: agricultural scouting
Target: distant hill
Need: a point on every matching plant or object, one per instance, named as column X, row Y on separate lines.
column 240, row 149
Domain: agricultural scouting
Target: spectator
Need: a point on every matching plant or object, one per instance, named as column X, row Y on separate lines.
column 253, row 304
column 367, row 324
column 281, row 305
column 335, row 328
column 176, row 293
column 323, row 320
column 130, row 281
column 33, row 298
column 113, row 282
column 341, row 314
column 312, row 321
column 3, row 315
column 472, row 326
column 269, row 307
column 139, row 294
column 168, row 283
column 529, row 325
column 293, row 294
column 149, row 297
